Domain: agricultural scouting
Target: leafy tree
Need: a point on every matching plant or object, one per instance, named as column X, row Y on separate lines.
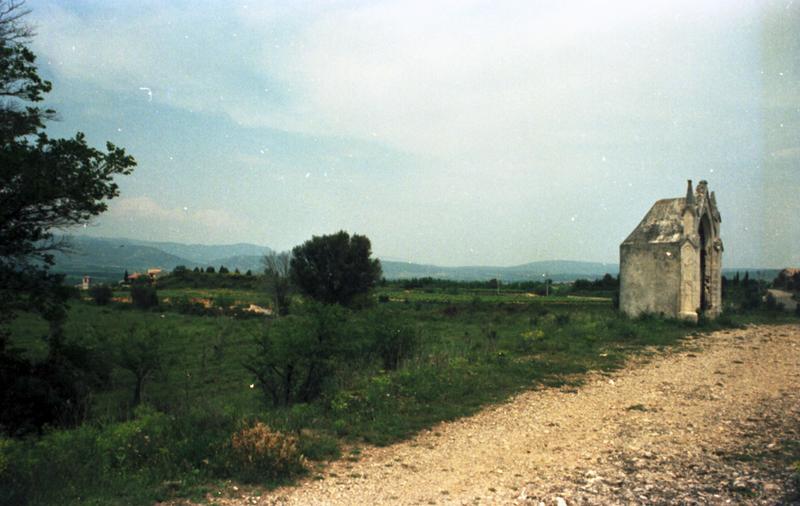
column 140, row 353
column 144, row 296
column 210, row 270
column 45, row 184
column 101, row 294
column 223, row 270
column 335, row 269
column 277, row 272
column 296, row 355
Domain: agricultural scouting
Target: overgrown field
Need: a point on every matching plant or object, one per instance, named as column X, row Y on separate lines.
column 317, row 379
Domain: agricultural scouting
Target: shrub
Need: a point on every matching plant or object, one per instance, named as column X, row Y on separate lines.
column 223, row 301
column 391, row 340
column 142, row 443
column 144, row 296
column 258, row 454
column 101, row 294
column 296, row 355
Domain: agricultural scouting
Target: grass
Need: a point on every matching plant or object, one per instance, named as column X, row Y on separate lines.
column 475, row 348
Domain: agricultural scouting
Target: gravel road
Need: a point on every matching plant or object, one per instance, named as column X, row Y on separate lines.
column 708, row 423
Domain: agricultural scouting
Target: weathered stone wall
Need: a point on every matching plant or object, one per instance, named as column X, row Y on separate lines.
column 650, row 278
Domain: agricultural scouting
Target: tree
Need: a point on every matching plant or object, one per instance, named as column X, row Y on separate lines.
column 296, row 356
column 101, row 294
column 223, row 270
column 44, row 183
column 277, row 272
column 144, row 295
column 210, row 270
column 335, row 269
column 140, row 353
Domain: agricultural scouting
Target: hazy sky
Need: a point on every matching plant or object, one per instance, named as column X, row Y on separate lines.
column 452, row 132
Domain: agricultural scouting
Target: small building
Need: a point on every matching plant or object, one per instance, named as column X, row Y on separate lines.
column 671, row 264
column 155, row 273
column 86, row 283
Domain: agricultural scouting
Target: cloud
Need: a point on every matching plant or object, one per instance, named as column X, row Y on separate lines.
column 488, row 123
column 444, row 79
column 144, row 217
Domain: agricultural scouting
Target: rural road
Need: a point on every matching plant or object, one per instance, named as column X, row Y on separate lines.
column 705, row 424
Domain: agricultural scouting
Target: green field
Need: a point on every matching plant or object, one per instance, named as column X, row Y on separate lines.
column 471, row 347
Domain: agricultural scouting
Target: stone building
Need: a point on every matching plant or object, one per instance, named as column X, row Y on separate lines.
column 671, row 264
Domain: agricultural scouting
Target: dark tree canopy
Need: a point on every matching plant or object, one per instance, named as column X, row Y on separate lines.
column 334, row 269
column 45, row 184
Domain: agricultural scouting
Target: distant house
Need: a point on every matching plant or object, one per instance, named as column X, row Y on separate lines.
column 152, row 273
column 134, row 276
column 155, row 273
column 86, row 283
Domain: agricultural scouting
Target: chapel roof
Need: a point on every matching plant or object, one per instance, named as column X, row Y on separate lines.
column 662, row 224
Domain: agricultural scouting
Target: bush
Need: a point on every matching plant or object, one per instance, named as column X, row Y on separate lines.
column 144, row 296
column 391, row 340
column 101, row 294
column 223, row 301
column 297, row 354
column 258, row 454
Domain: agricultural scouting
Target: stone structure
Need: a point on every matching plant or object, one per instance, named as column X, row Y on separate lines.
column 671, row 264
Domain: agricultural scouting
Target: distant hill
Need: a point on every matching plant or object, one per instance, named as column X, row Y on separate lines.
column 107, row 259
column 557, row 270
column 209, row 254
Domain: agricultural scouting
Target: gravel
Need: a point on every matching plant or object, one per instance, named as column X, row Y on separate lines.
column 709, row 422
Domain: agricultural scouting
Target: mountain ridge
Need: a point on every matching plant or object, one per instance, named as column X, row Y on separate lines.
column 108, row 258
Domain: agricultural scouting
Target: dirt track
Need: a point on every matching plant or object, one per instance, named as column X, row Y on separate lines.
column 706, row 424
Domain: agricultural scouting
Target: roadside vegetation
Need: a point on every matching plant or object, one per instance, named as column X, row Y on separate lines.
column 187, row 402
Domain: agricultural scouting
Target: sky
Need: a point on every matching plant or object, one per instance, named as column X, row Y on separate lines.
column 448, row 132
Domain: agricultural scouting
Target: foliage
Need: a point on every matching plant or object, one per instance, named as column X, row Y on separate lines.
column 101, row 294
column 202, row 393
column 277, row 269
column 786, row 280
column 56, row 390
column 393, row 340
column 140, row 353
column 296, row 355
column 259, row 454
column 127, row 462
column 144, row 296
column 335, row 269
column 46, row 183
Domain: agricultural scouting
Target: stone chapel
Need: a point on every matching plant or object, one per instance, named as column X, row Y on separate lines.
column 671, row 264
